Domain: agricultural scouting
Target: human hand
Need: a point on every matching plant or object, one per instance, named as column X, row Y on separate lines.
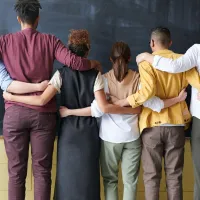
column 96, row 65
column 7, row 96
column 113, row 99
column 122, row 103
column 182, row 96
column 42, row 86
column 64, row 111
column 144, row 57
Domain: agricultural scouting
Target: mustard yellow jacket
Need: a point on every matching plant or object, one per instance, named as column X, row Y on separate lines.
column 163, row 85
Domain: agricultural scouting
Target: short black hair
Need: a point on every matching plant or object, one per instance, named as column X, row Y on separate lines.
column 28, row 10
column 79, row 49
column 163, row 35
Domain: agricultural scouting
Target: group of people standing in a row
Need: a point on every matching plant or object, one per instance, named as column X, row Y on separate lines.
column 27, row 61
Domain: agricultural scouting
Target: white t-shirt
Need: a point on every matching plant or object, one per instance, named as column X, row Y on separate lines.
column 116, row 128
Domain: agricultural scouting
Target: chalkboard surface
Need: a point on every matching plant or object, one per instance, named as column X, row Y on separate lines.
column 112, row 20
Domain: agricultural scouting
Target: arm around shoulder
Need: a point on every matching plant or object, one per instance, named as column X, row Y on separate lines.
column 182, row 64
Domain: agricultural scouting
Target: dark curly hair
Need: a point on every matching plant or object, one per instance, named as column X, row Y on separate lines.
column 79, row 42
column 28, row 10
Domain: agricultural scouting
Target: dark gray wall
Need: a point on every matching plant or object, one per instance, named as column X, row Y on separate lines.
column 112, row 20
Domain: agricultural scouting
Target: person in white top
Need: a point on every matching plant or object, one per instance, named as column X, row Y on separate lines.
column 119, row 133
column 189, row 60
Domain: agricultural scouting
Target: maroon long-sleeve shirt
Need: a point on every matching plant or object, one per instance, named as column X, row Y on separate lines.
column 29, row 55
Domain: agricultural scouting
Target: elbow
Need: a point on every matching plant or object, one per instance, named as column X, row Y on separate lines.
column 42, row 102
column 173, row 70
column 104, row 109
column 150, row 94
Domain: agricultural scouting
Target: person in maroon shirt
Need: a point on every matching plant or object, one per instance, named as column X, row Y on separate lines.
column 28, row 56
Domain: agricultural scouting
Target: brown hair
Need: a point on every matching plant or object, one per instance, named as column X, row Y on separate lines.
column 79, row 42
column 120, row 56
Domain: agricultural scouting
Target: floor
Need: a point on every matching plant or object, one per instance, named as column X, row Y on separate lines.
column 187, row 179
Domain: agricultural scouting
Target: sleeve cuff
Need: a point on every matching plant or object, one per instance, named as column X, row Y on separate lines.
column 132, row 101
column 156, row 59
column 56, row 81
column 155, row 104
column 99, row 83
column 54, row 85
column 95, row 111
column 6, row 84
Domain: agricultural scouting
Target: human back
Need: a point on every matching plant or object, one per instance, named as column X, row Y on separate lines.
column 77, row 91
column 78, row 140
column 166, row 85
column 29, row 55
column 33, row 52
column 120, row 82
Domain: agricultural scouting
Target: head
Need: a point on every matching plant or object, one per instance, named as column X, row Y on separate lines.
column 28, row 13
column 160, row 39
column 120, row 57
column 79, row 42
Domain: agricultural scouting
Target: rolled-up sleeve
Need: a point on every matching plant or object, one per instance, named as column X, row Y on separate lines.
column 5, row 79
column 99, row 82
column 95, row 110
column 148, row 86
column 155, row 103
column 56, row 81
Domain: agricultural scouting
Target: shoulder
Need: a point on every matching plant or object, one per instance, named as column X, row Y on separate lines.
column 195, row 49
column 109, row 74
column 7, row 37
column 195, row 46
column 48, row 36
column 134, row 74
column 99, row 82
column 145, row 66
column 176, row 55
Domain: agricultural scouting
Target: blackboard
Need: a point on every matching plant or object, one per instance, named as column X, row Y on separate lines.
column 112, row 20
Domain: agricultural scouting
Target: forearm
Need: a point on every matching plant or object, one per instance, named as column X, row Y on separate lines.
column 84, row 112
column 182, row 64
column 39, row 100
column 139, row 98
column 65, row 56
column 18, row 87
column 30, row 100
column 148, row 86
column 170, row 102
column 114, row 109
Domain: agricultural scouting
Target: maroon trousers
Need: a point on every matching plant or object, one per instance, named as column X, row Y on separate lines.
column 22, row 126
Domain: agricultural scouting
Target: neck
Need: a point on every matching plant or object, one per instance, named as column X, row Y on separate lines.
column 25, row 26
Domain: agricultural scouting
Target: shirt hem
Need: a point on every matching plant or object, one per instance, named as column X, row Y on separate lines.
column 127, row 141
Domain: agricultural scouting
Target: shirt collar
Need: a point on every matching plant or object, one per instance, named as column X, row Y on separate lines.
column 28, row 29
column 163, row 51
